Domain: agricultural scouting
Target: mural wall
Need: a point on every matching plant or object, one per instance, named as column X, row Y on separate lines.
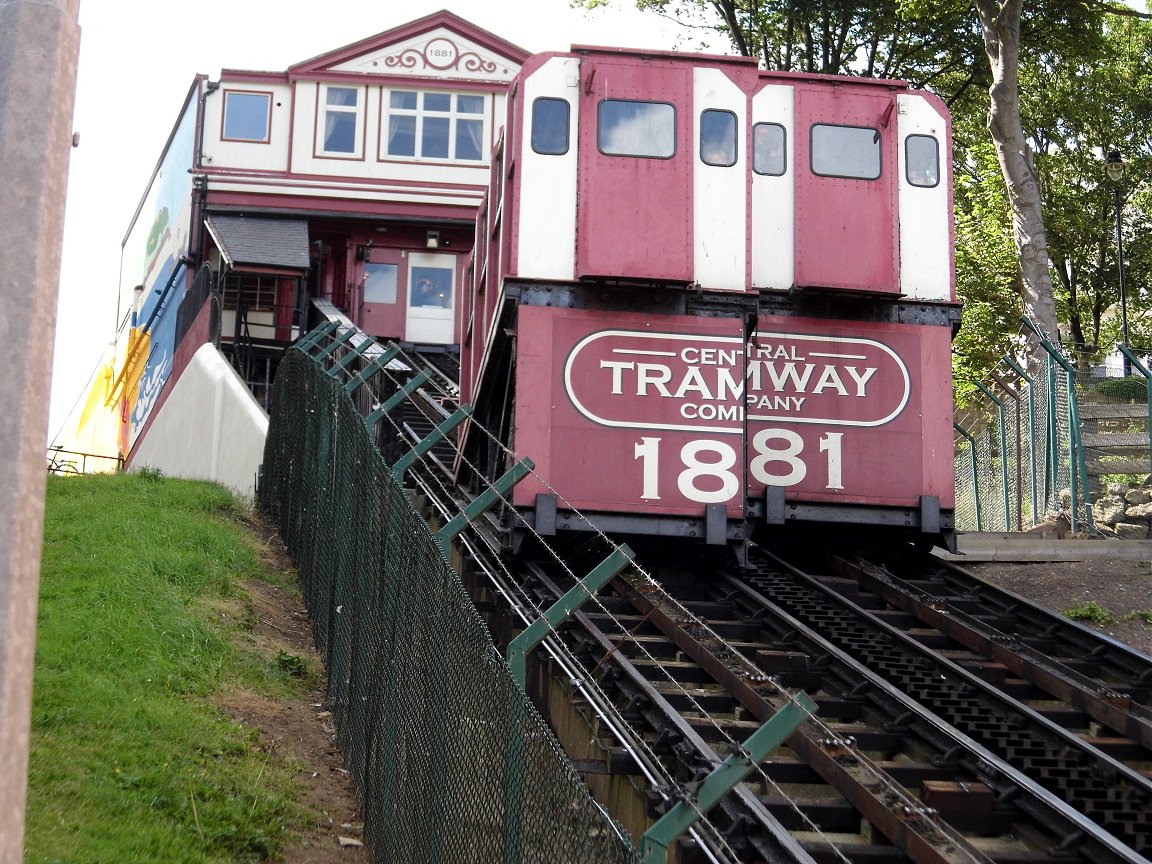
column 153, row 279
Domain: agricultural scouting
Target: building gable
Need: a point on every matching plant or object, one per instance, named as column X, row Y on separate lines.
column 440, row 45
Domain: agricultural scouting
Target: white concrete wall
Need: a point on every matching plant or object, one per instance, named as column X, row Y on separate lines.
column 209, row 428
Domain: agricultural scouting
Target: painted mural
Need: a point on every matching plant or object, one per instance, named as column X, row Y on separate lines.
column 153, row 255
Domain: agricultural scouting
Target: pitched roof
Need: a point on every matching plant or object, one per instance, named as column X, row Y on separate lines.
column 268, row 242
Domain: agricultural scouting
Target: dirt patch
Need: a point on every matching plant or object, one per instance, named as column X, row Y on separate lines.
column 299, row 731
column 1119, row 588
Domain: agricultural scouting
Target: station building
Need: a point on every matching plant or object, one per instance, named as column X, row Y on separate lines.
column 349, row 181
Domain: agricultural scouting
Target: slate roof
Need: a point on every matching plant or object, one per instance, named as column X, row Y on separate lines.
column 268, row 242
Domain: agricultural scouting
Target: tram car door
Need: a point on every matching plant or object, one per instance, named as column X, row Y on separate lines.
column 380, row 312
column 635, row 180
column 431, row 298
column 846, row 156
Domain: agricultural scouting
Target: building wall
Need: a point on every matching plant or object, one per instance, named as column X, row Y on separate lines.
column 209, row 428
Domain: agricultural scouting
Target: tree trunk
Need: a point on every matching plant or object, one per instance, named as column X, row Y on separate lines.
column 1000, row 21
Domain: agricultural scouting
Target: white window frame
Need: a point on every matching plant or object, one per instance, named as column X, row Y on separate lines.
column 419, row 113
column 322, row 111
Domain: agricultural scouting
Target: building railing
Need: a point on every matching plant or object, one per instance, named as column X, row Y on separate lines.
column 61, row 461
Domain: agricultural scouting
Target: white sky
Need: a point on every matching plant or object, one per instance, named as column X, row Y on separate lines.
column 137, row 61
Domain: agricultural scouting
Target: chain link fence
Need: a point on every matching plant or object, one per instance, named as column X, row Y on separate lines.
column 1042, row 444
column 451, row 760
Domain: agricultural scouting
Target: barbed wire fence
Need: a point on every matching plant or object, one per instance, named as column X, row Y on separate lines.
column 451, row 760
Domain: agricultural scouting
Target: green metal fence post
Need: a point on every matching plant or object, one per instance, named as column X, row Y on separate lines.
column 347, row 359
column 1143, row 370
column 430, row 440
column 536, row 632
column 1003, row 455
column 482, row 503
column 1078, row 466
column 1022, row 372
column 721, row 781
column 395, row 399
column 343, row 339
column 518, row 650
column 371, row 369
column 313, row 337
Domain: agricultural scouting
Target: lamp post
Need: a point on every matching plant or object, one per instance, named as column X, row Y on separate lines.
column 1114, row 167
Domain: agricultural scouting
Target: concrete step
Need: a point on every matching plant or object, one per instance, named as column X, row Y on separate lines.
column 1097, row 411
column 1116, row 439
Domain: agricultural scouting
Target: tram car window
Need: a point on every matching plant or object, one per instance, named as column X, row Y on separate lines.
column 846, row 151
column 629, row 128
column 922, row 160
column 768, row 149
column 550, row 126
column 718, row 138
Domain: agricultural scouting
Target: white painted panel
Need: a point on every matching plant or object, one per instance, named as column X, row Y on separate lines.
column 774, row 198
column 925, row 217
column 547, row 220
column 719, row 193
column 209, row 428
column 245, row 155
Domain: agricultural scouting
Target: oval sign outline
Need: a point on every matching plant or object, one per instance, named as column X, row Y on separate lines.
column 853, row 339
column 637, row 334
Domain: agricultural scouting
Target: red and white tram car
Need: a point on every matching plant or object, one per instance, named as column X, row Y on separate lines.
column 707, row 297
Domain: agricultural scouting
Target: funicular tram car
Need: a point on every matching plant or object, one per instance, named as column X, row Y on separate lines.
column 707, row 298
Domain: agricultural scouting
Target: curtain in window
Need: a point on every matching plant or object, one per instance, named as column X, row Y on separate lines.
column 469, row 139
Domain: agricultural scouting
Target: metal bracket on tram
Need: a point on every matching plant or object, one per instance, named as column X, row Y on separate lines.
column 739, row 764
column 774, row 505
column 554, row 616
column 482, row 503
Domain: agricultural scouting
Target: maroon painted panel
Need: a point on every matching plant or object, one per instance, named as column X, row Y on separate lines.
column 634, row 217
column 625, row 413
column 850, row 412
column 846, row 228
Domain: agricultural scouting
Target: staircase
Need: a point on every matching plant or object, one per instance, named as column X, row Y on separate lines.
column 1116, row 441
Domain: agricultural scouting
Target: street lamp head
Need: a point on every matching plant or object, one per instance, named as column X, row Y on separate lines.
column 1114, row 166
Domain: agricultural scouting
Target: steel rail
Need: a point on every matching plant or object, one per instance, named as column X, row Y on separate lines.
column 1101, row 701
column 1075, row 821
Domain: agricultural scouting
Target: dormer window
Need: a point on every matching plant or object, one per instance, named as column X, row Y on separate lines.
column 340, row 131
column 434, row 126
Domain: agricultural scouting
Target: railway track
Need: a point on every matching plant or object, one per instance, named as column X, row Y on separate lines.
column 954, row 723
column 911, row 758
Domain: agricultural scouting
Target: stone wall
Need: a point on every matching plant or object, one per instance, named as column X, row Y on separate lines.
column 1125, row 511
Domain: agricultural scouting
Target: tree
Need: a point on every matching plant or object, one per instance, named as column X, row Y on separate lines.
column 1075, row 114
column 1000, row 20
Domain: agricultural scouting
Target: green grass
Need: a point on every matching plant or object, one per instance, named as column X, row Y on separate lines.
column 1091, row 611
column 130, row 759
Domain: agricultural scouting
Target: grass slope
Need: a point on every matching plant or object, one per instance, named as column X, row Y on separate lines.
column 141, row 627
